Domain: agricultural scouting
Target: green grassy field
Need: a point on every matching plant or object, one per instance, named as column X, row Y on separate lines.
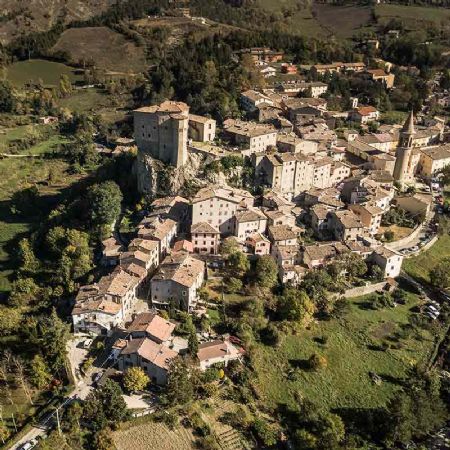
column 49, row 72
column 98, row 101
column 413, row 16
column 419, row 266
column 345, row 382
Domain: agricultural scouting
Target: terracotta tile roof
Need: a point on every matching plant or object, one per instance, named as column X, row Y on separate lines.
column 153, row 325
column 227, row 193
column 366, row 110
column 199, row 119
column 283, row 232
column 204, row 227
column 348, row 218
column 97, row 305
column 144, row 245
column 158, row 354
column 180, row 268
column 183, row 245
column 134, row 269
column 257, row 237
column 119, row 283
column 321, row 252
column 167, row 106
column 216, row 349
column 437, row 153
column 249, row 215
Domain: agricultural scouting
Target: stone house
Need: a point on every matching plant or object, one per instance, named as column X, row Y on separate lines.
column 205, row 238
column 218, row 205
column 248, row 221
column 390, row 262
column 345, row 225
column 370, row 216
column 153, row 358
column 258, row 244
column 177, row 280
column 201, row 129
column 217, row 352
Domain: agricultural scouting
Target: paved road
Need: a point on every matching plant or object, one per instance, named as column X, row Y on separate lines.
column 81, row 391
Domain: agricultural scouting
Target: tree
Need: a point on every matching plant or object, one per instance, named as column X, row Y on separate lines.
column 440, row 274
column 180, row 387
column 350, row 263
column 105, row 407
column 332, row 431
column 7, row 97
column 354, row 264
column 265, row 432
column 53, row 336
column 23, row 292
column 193, row 344
column 228, row 247
column 416, row 411
column 70, row 248
column 103, row 440
column 105, row 203
column 10, row 319
column 233, row 285
column 21, row 376
column 28, row 261
column 295, row 305
column 266, row 272
column 135, row 379
column 40, row 375
column 24, row 201
column 238, row 264
column 65, row 85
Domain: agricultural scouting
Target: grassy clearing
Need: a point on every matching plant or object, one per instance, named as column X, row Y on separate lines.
column 98, row 101
column 345, row 382
column 49, row 72
column 153, row 436
column 413, row 16
column 109, row 49
column 420, row 265
column 399, row 232
column 343, row 21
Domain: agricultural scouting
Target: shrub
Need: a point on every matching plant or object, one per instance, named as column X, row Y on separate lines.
column 265, row 432
column 317, row 362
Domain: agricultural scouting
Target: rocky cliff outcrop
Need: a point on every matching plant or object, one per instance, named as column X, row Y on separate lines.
column 156, row 179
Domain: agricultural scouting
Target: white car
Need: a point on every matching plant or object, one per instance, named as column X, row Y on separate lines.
column 29, row 445
column 87, row 343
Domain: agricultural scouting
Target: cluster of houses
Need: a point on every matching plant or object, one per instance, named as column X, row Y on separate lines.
column 149, row 342
column 314, row 182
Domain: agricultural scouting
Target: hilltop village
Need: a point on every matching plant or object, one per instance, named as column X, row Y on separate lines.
column 219, row 234
column 321, row 184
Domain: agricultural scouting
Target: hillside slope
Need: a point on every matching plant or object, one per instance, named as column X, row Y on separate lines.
column 25, row 16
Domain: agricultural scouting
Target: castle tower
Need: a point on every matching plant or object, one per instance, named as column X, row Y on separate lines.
column 404, row 151
column 162, row 131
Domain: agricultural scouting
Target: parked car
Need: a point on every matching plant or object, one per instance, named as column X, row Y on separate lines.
column 29, row 445
column 432, row 309
column 414, row 249
column 432, row 315
column 87, row 343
